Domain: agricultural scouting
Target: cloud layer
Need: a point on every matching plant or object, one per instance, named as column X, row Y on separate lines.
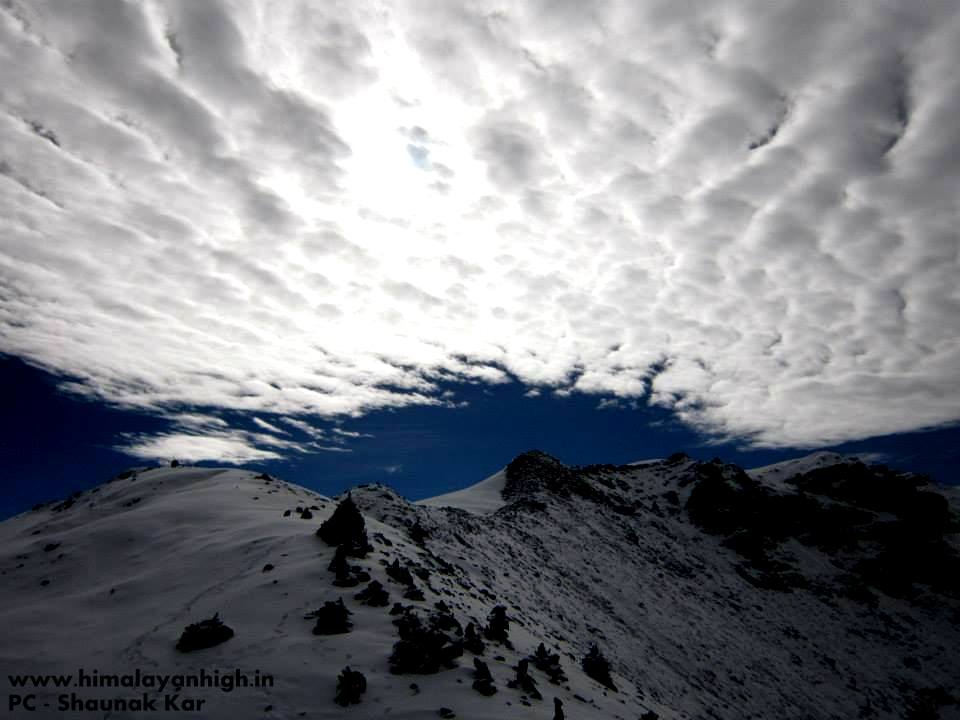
column 745, row 211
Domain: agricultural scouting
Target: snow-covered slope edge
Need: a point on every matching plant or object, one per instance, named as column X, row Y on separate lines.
column 702, row 612
column 483, row 498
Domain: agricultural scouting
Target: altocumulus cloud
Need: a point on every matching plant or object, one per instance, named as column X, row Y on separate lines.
column 744, row 211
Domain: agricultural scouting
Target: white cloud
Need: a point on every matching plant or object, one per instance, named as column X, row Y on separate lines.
column 269, row 427
column 305, row 427
column 350, row 433
column 227, row 448
column 196, row 421
column 745, row 211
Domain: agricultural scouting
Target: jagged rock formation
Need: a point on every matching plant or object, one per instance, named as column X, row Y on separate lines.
column 346, row 528
column 536, row 471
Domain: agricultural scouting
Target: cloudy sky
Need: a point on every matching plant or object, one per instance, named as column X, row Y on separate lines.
column 742, row 213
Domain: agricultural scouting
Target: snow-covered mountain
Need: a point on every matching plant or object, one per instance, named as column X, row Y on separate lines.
column 818, row 588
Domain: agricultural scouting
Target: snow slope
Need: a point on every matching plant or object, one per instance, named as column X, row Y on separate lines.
column 483, row 498
column 778, row 473
column 138, row 559
column 604, row 554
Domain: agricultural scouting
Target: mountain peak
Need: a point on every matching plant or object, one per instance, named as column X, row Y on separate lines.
column 533, row 471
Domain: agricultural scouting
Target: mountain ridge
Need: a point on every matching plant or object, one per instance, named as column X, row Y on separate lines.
column 705, row 613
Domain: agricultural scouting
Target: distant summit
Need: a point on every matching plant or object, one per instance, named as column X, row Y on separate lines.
column 535, row 471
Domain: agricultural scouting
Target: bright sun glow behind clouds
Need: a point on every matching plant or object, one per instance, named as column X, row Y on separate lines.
column 745, row 211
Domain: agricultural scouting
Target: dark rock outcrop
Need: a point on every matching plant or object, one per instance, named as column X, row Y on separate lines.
column 332, row 619
column 549, row 664
column 536, row 472
column 350, row 686
column 558, row 709
column 346, row 528
column 413, row 593
column 418, row 533
column 498, row 626
column 204, row 634
column 524, row 682
column 374, row 595
column 880, row 528
column 399, row 574
column 482, row 679
column 472, row 640
column 425, row 647
column 345, row 574
column 596, row 666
